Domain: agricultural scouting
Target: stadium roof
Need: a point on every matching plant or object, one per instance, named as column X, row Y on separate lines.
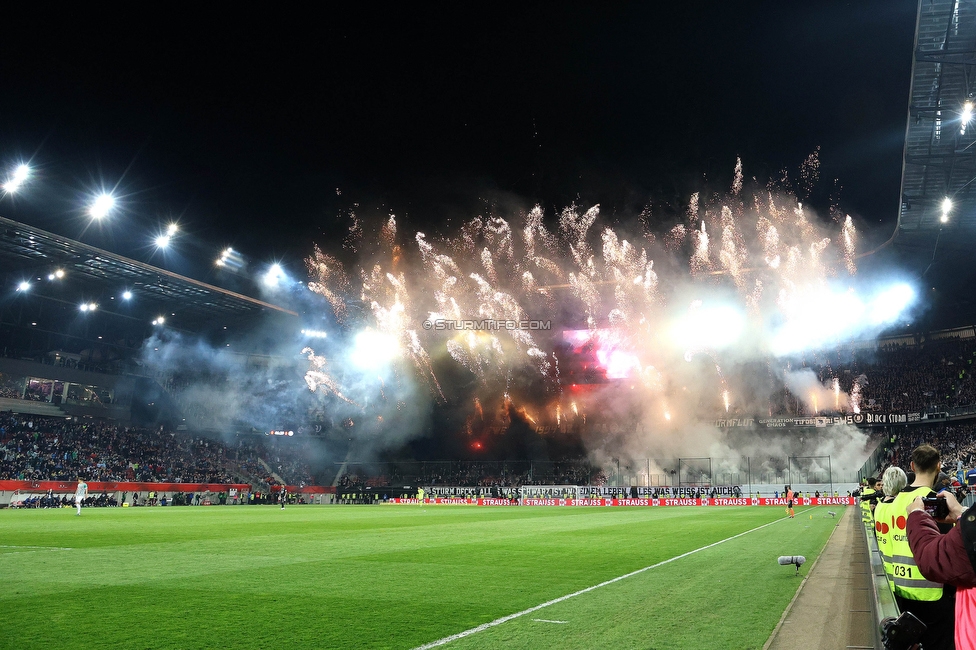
column 90, row 273
column 940, row 145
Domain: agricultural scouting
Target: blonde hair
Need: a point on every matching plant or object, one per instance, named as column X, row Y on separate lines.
column 893, row 481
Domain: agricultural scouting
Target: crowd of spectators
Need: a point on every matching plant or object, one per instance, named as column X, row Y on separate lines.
column 956, row 442
column 485, row 474
column 37, row 448
column 274, row 458
column 930, row 376
column 925, row 376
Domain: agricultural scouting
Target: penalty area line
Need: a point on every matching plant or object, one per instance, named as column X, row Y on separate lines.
column 511, row 617
column 38, row 548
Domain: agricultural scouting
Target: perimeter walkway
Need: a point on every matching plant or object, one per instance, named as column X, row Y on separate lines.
column 833, row 608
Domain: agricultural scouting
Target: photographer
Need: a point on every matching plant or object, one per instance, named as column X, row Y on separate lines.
column 944, row 558
column 926, row 599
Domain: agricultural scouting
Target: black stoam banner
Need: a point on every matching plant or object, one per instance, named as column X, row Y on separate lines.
column 855, row 419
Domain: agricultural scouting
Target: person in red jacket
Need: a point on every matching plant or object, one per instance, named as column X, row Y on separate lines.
column 943, row 558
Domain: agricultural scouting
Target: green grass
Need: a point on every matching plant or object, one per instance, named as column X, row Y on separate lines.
column 396, row 576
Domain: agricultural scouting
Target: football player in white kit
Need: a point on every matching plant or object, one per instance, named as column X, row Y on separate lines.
column 80, row 494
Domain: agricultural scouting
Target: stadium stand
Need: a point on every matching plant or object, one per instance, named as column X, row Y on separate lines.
column 37, row 448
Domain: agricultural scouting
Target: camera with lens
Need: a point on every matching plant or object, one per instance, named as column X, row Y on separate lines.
column 938, row 508
column 902, row 633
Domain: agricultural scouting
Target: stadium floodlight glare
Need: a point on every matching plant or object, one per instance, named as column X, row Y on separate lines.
column 20, row 175
column 890, row 303
column 102, row 205
column 966, row 116
column 56, row 275
column 24, row 286
column 274, row 275
column 373, row 350
column 231, row 259
column 159, row 321
column 126, row 295
column 162, row 241
column 710, row 326
column 946, row 206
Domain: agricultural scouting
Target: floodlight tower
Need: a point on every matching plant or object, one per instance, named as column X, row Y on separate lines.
column 943, row 220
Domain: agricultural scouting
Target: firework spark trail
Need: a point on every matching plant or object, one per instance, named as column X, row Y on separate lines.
column 774, row 260
column 317, row 377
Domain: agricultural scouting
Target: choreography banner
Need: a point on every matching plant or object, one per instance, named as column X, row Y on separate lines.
column 854, row 419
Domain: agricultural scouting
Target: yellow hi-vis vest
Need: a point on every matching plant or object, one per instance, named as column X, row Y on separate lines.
column 866, row 507
column 883, row 531
column 909, row 583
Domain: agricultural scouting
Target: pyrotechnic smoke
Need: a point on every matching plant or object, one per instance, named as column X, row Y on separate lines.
column 570, row 323
column 816, row 396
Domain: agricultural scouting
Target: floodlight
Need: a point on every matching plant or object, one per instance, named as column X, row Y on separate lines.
column 373, row 350
column 172, row 229
column 23, row 286
column 273, row 275
column 83, row 306
column 126, row 295
column 967, row 115
column 21, row 174
column 946, row 206
column 102, row 206
column 710, row 326
column 162, row 241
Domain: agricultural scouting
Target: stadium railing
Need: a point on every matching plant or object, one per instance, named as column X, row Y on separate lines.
column 883, row 598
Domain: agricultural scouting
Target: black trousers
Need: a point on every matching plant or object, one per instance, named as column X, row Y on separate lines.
column 939, row 617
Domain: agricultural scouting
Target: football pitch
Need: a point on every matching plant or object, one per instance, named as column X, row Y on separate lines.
column 400, row 576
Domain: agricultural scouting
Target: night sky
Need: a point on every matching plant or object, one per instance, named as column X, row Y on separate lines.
column 258, row 126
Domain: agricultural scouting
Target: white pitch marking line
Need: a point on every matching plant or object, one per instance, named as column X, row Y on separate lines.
column 510, row 617
column 39, row 548
column 546, row 620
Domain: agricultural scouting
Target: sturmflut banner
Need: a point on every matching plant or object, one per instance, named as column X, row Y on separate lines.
column 854, row 419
